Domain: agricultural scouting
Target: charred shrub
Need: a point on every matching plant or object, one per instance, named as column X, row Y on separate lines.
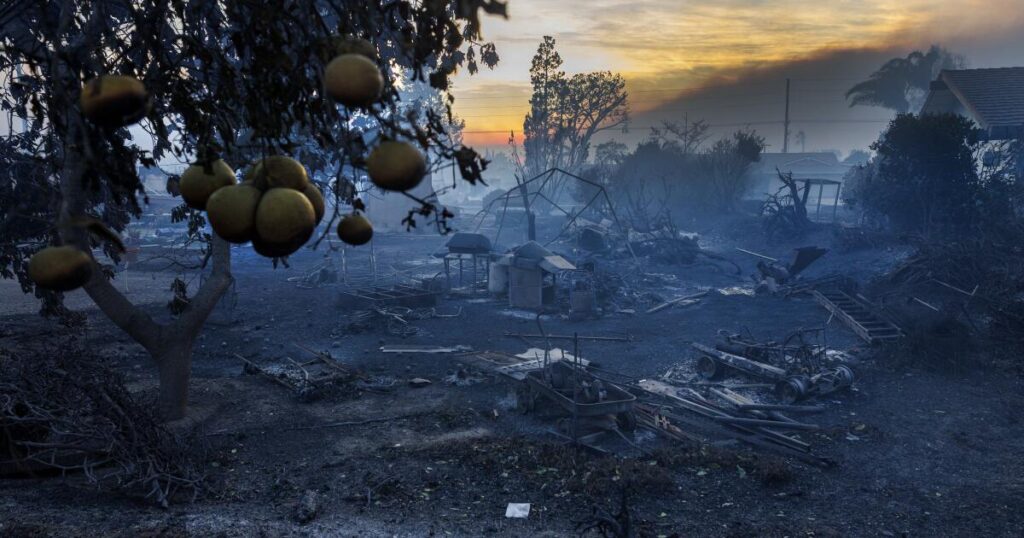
column 68, row 412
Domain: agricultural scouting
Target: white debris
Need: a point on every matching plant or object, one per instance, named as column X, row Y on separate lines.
column 518, row 510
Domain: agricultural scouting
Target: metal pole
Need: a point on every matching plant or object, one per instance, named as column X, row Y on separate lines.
column 373, row 261
column 576, row 387
column 344, row 263
column 785, row 133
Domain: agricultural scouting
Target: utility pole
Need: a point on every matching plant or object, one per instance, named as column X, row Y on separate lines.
column 785, row 133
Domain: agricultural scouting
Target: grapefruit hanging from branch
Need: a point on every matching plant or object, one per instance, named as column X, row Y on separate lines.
column 316, row 198
column 396, row 166
column 114, row 100
column 353, row 80
column 285, row 219
column 278, row 171
column 355, row 229
column 200, row 181
column 60, row 268
column 232, row 212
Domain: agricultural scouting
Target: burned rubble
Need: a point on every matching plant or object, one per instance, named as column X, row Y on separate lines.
column 560, row 364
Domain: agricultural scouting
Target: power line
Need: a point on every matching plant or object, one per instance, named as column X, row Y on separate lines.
column 686, row 103
column 526, row 91
column 712, row 125
column 759, row 104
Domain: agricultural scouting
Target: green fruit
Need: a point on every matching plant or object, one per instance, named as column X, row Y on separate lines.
column 355, row 229
column 114, row 100
column 396, row 166
column 60, row 268
column 278, row 171
column 317, row 199
column 232, row 212
column 283, row 216
column 353, row 80
column 198, row 183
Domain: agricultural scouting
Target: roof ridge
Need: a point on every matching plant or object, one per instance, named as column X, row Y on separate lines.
column 1004, row 68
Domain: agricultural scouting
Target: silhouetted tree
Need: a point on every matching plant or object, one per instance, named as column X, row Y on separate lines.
column 723, row 169
column 927, row 179
column 901, row 83
column 712, row 180
column 566, row 112
column 689, row 136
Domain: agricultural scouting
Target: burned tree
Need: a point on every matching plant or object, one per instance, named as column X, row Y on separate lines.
column 785, row 212
column 231, row 80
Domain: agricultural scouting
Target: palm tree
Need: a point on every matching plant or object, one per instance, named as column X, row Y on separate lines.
column 900, row 83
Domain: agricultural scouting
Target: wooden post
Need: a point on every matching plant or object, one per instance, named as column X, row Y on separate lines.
column 835, row 205
column 817, row 212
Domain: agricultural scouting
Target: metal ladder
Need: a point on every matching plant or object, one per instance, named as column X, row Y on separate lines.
column 858, row 314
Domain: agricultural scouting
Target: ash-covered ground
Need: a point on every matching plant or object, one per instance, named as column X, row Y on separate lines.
column 919, row 452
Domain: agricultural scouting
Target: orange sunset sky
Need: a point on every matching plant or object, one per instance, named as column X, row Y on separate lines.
column 726, row 61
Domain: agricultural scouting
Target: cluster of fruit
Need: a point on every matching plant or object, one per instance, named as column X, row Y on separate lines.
column 276, row 207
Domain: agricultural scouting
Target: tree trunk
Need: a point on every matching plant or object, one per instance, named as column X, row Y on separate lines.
column 174, row 363
column 170, row 345
column 531, row 219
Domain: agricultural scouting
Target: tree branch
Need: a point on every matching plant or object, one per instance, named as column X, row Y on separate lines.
column 132, row 320
column 212, row 290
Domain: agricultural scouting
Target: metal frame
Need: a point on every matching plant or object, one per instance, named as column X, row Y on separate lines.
column 546, row 177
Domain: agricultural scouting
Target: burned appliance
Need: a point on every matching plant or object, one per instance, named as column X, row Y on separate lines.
column 531, row 272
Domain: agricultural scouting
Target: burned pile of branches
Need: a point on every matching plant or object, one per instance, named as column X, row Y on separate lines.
column 69, row 413
column 669, row 245
column 666, row 245
column 393, row 319
column 985, row 278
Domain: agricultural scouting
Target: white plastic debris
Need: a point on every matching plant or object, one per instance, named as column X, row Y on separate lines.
column 518, row 510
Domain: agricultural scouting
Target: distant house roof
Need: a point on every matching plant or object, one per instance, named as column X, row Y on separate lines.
column 993, row 98
column 823, row 164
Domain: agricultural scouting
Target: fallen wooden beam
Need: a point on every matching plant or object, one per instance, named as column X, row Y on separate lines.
column 675, row 301
column 784, row 408
column 769, row 423
column 399, row 348
column 752, row 253
column 708, row 410
column 626, row 338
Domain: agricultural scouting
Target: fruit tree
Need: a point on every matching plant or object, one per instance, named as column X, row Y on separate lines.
column 229, row 86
